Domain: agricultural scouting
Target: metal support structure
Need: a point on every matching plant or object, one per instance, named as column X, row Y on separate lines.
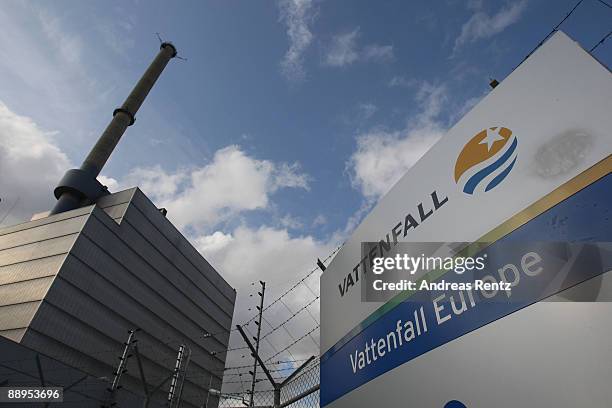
column 277, row 386
column 306, row 393
column 121, row 368
column 148, row 393
column 154, row 390
column 262, row 295
column 79, row 186
column 145, row 388
column 296, row 371
column 208, row 392
column 256, row 355
column 175, row 391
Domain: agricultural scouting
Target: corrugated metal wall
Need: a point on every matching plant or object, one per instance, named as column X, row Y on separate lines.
column 128, row 268
column 31, row 254
column 24, row 367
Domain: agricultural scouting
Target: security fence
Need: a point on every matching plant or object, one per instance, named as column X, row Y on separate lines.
column 299, row 391
column 303, row 390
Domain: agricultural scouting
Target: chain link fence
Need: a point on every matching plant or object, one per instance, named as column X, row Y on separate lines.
column 300, row 392
column 303, row 389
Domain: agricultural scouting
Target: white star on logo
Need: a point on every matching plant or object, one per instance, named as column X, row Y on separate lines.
column 492, row 137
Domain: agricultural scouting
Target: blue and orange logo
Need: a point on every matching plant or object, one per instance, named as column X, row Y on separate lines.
column 486, row 159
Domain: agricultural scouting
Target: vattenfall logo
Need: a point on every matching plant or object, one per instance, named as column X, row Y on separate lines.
column 486, row 160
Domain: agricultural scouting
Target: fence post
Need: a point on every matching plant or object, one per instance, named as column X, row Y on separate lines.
column 178, row 378
column 121, row 369
column 277, row 396
column 258, row 338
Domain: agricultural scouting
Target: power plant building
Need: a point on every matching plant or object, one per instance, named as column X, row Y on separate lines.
column 74, row 283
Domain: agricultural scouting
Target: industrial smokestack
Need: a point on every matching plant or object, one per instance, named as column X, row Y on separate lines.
column 80, row 187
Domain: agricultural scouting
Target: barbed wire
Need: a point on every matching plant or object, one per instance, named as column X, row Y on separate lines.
column 600, row 42
column 305, row 307
column 294, row 342
column 269, row 363
column 298, row 283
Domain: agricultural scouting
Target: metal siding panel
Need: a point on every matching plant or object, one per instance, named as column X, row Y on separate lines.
column 17, row 316
column 37, row 250
column 159, row 243
column 36, row 268
column 26, row 291
column 42, row 232
column 80, row 390
column 146, row 273
column 128, row 312
column 146, row 207
column 119, row 197
column 13, row 334
column 76, row 343
column 179, row 272
column 155, row 297
column 46, row 220
column 127, row 260
column 116, row 212
column 83, row 362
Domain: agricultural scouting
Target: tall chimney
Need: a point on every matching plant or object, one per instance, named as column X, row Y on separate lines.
column 79, row 186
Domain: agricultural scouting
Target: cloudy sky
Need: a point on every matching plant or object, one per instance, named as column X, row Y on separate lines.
column 284, row 125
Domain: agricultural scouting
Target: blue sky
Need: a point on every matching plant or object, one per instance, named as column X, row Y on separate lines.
column 285, row 124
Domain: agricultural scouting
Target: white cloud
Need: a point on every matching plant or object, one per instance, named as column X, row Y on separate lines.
column 202, row 197
column 367, row 110
column 297, row 15
column 481, row 25
column 319, row 220
column 382, row 157
column 290, row 175
column 275, row 256
column 343, row 50
column 211, row 244
column 378, row 53
column 30, row 167
column 155, row 181
column 110, row 183
column 290, row 222
column 264, row 253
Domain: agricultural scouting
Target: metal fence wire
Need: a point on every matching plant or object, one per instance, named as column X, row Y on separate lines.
column 303, row 389
column 263, row 398
column 300, row 392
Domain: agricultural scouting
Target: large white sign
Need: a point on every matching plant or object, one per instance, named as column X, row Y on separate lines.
column 546, row 124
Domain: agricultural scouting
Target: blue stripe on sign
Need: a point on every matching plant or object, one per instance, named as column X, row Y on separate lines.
column 585, row 218
column 471, row 184
column 498, row 179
